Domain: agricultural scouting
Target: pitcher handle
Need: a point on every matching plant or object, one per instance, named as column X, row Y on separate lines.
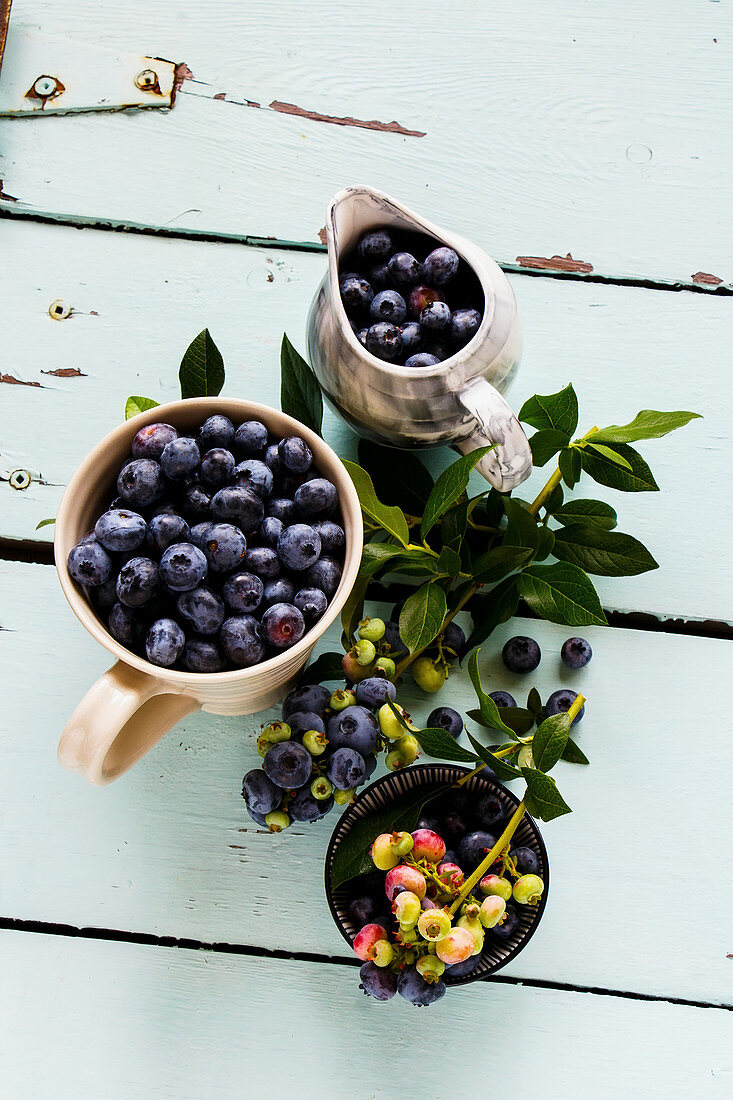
column 510, row 462
column 119, row 719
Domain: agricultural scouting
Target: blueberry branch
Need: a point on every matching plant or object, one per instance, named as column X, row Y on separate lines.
column 556, row 478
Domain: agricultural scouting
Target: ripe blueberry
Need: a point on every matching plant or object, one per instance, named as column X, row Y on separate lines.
column 164, row 643
column 375, row 245
column 384, row 340
column 422, row 359
column 561, row 701
column 150, row 441
column 435, row 317
column 202, row 608
column 282, row 625
column 216, row 431
column 316, row 499
column 140, row 482
column 521, row 654
column 217, row 466
column 299, row 547
column 448, row 719
column 388, row 305
column 576, row 653
column 165, row 529
column 250, row 439
column 224, row 547
column 137, row 582
column 356, row 293
column 182, row 567
column 241, row 640
column 89, row 564
column 180, row 458
column 237, row 505
column 440, row 266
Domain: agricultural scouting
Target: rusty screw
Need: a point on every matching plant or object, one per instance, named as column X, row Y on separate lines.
column 59, row 310
column 46, row 87
column 147, row 80
column 19, row 479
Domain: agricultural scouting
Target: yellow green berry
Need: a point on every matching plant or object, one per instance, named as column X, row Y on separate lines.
column 372, row 630
column 277, row 820
column 528, row 889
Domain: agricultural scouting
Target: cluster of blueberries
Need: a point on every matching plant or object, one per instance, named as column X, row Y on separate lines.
column 522, row 654
column 416, row 924
column 397, row 303
column 220, row 550
column 324, row 748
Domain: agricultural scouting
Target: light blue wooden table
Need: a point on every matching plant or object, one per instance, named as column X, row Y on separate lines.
column 156, row 944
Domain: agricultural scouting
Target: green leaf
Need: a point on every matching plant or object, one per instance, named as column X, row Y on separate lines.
column 647, row 424
column 534, row 704
column 422, row 616
column 448, row 488
column 300, row 394
column 542, row 797
column 448, row 562
column 549, row 741
column 561, row 593
column 502, row 770
column 546, row 544
column 517, row 718
column 604, row 553
column 353, row 610
column 588, row 511
column 522, row 529
column 571, row 464
column 352, row 855
column 201, row 373
column 611, row 455
column 490, row 611
column 399, row 476
column 438, row 742
column 453, row 526
column 574, row 754
column 389, row 517
column 325, row 667
column 496, row 564
column 547, row 443
column 44, row 523
column 638, row 480
column 384, row 555
column 489, row 710
column 558, row 411
column 135, row 405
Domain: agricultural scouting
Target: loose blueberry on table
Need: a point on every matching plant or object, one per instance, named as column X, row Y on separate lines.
column 410, row 299
column 218, row 550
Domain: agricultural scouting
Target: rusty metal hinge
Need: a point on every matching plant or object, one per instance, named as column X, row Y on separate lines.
column 44, row 74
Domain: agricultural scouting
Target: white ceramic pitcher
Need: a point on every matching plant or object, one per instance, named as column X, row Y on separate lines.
column 457, row 402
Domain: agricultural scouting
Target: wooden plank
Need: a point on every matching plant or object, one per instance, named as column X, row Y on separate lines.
column 169, row 849
column 547, row 130
column 138, row 300
column 125, row 1021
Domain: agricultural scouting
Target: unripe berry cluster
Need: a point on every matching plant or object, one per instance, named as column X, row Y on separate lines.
column 420, row 928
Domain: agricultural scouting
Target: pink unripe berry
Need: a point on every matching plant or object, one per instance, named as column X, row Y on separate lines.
column 451, row 874
column 456, row 947
column 404, row 878
column 353, row 671
column 492, row 911
column 383, row 854
column 473, row 926
column 428, row 845
column 365, row 940
column 494, row 884
column 428, row 902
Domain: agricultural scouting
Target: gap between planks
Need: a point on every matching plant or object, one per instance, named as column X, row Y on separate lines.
column 115, row 935
column 722, row 290
column 41, row 553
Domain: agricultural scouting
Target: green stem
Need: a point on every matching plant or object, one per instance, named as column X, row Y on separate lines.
column 576, row 706
column 483, row 867
column 556, row 478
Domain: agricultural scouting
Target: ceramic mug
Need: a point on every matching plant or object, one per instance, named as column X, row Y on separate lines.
column 133, row 704
column 458, row 402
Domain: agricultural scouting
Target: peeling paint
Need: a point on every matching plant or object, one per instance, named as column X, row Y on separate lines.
column 705, row 279
column 182, row 72
column 315, row 116
column 66, row 372
column 11, row 381
column 322, row 235
column 555, row 263
column 220, row 95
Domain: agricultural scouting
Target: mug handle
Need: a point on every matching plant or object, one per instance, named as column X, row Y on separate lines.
column 119, row 719
column 510, row 463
